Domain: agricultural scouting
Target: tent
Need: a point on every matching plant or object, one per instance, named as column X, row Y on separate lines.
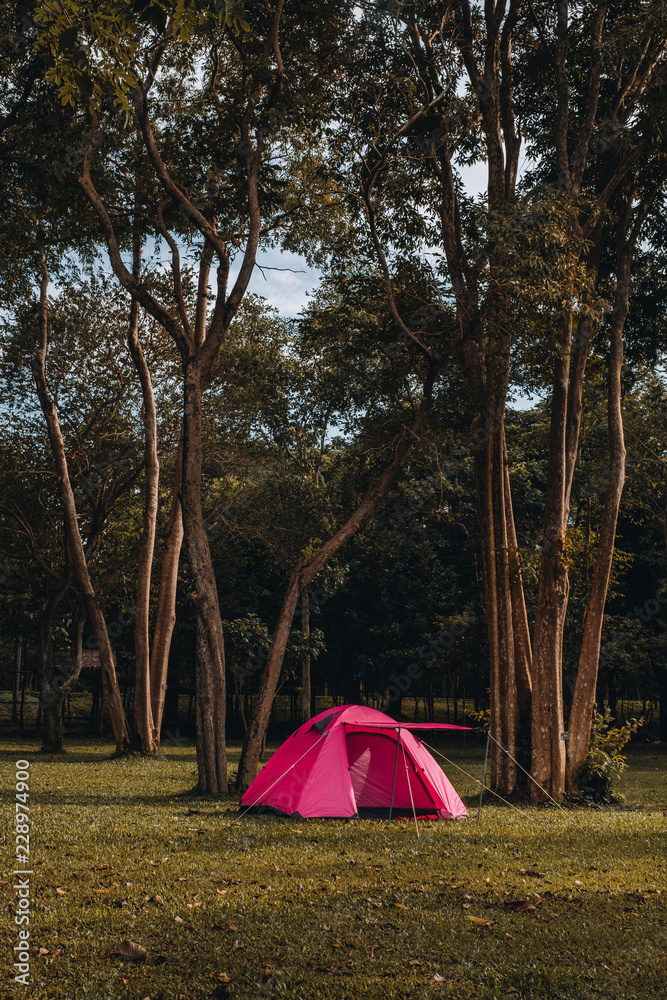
column 354, row 762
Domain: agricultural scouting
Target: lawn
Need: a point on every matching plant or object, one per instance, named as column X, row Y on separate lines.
column 261, row 907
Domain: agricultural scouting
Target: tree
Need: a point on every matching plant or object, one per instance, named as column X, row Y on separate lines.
column 167, row 67
column 519, row 271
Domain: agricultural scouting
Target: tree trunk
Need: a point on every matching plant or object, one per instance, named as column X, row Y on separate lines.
column 210, row 669
column 305, row 670
column 507, row 775
column 165, row 618
column 112, row 697
column 581, row 712
column 548, row 749
column 522, row 645
column 143, row 718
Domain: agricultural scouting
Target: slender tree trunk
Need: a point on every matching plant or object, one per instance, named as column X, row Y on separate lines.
column 112, row 698
column 508, row 686
column 210, row 670
column 165, row 618
column 581, row 712
column 522, row 644
column 548, row 749
column 484, row 465
column 143, row 717
column 305, row 670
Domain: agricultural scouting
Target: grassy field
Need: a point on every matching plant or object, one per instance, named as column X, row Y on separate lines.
column 260, row 907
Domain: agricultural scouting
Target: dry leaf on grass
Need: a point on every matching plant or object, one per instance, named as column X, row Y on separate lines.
column 414, row 961
column 223, row 977
column 520, row 905
column 130, row 950
column 479, row 921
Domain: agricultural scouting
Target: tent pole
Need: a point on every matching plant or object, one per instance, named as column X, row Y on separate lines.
column 393, row 783
column 412, row 801
column 481, row 790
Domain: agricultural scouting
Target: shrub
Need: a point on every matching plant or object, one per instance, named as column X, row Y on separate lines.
column 605, row 762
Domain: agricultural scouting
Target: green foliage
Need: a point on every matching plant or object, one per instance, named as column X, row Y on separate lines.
column 605, row 762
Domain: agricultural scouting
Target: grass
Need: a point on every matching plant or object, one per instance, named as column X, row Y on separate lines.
column 327, row 909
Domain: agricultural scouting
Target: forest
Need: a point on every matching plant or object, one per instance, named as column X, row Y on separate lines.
column 438, row 486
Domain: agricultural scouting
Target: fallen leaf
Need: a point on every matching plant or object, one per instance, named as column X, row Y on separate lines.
column 438, row 978
column 130, row 950
column 326, row 927
column 43, row 951
column 521, row 905
column 233, row 927
column 61, row 892
column 414, row 961
column 479, row 921
column 238, row 943
column 179, row 920
column 223, row 977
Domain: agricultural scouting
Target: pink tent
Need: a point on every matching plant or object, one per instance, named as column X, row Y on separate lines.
column 354, row 762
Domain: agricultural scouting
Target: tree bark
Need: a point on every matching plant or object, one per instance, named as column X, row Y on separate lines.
column 111, row 693
column 581, row 711
column 143, row 717
column 165, row 618
column 548, row 749
column 210, row 670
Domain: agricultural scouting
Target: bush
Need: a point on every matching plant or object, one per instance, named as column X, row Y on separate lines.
column 604, row 761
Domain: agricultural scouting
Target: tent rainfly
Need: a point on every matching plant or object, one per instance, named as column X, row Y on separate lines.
column 354, row 763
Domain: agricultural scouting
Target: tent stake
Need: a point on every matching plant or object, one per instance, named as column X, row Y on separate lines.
column 393, row 783
column 481, row 790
